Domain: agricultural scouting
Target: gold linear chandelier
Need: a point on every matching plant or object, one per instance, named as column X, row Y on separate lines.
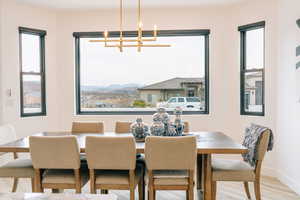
column 139, row 42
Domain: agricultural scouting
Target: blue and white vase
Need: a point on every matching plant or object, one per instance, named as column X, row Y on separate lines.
column 139, row 129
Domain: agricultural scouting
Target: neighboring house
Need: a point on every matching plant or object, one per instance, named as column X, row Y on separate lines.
column 162, row 91
column 32, row 99
column 253, row 92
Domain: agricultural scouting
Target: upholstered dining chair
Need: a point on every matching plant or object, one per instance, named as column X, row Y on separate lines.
column 112, row 164
column 171, row 163
column 17, row 168
column 122, row 127
column 56, row 163
column 240, row 171
column 186, row 127
column 87, row 127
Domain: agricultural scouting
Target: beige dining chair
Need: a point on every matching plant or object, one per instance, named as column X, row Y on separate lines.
column 17, row 168
column 87, row 127
column 171, row 163
column 240, row 171
column 56, row 163
column 122, row 127
column 112, row 164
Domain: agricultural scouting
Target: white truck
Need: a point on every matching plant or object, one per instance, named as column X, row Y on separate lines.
column 185, row 103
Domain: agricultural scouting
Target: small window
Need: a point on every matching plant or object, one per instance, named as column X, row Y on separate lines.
column 192, row 99
column 149, row 98
column 181, row 100
column 173, row 100
column 32, row 75
column 252, row 69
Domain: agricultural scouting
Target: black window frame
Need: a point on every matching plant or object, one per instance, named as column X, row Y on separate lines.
column 243, row 68
column 42, row 73
column 162, row 33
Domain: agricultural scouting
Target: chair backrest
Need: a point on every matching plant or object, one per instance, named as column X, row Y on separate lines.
column 263, row 145
column 49, row 152
column 7, row 134
column 186, row 127
column 171, row 153
column 87, row 127
column 115, row 153
column 122, row 127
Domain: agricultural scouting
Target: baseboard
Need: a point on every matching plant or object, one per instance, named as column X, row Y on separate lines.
column 293, row 184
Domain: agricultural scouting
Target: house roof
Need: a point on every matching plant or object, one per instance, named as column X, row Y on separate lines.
column 172, row 84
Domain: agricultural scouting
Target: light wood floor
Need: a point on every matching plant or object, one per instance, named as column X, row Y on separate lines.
column 272, row 189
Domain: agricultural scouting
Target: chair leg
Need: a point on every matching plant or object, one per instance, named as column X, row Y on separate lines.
column 214, row 190
column 257, row 190
column 246, row 186
column 15, row 185
column 132, row 191
column 191, row 194
column 141, row 191
column 187, row 194
column 33, row 185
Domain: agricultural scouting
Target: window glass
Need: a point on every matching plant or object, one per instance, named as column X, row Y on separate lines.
column 142, row 81
column 253, row 92
column 31, row 57
column 255, row 49
column 32, row 94
column 180, row 100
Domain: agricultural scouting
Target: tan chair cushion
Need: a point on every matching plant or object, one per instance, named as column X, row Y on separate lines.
column 87, row 127
column 64, row 176
column 17, row 168
column 171, row 153
column 122, row 127
column 170, row 177
column 116, row 177
column 111, row 153
column 232, row 170
column 54, row 152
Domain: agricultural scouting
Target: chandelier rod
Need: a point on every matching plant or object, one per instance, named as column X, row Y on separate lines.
column 121, row 26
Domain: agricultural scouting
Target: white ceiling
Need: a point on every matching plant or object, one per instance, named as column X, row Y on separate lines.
column 92, row 4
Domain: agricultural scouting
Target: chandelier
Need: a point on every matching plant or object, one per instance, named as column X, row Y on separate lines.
column 139, row 42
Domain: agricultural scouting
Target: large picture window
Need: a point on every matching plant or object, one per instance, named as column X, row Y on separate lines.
column 131, row 82
column 32, row 72
column 252, row 69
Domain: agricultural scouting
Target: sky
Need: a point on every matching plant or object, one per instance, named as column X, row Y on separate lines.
column 103, row 66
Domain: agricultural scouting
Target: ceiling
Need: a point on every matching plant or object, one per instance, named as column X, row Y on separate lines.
column 92, row 4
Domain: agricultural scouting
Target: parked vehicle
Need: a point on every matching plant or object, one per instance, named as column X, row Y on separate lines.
column 183, row 103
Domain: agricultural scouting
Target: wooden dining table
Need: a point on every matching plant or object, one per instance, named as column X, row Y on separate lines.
column 208, row 143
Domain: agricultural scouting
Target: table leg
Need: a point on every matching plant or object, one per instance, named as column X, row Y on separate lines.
column 199, row 172
column 207, row 177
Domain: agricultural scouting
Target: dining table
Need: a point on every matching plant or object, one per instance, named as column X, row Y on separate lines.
column 208, row 144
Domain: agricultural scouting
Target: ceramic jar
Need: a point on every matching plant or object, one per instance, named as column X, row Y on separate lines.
column 139, row 129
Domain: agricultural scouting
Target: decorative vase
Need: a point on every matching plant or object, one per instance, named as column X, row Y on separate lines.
column 157, row 128
column 178, row 124
column 170, row 130
column 139, row 129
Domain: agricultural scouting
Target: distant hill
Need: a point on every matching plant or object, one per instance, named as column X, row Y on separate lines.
column 113, row 87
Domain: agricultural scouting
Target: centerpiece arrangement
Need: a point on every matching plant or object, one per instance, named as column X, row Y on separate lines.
column 161, row 125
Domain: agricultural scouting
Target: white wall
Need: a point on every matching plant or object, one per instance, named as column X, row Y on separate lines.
column 288, row 106
column 1, row 63
column 13, row 15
